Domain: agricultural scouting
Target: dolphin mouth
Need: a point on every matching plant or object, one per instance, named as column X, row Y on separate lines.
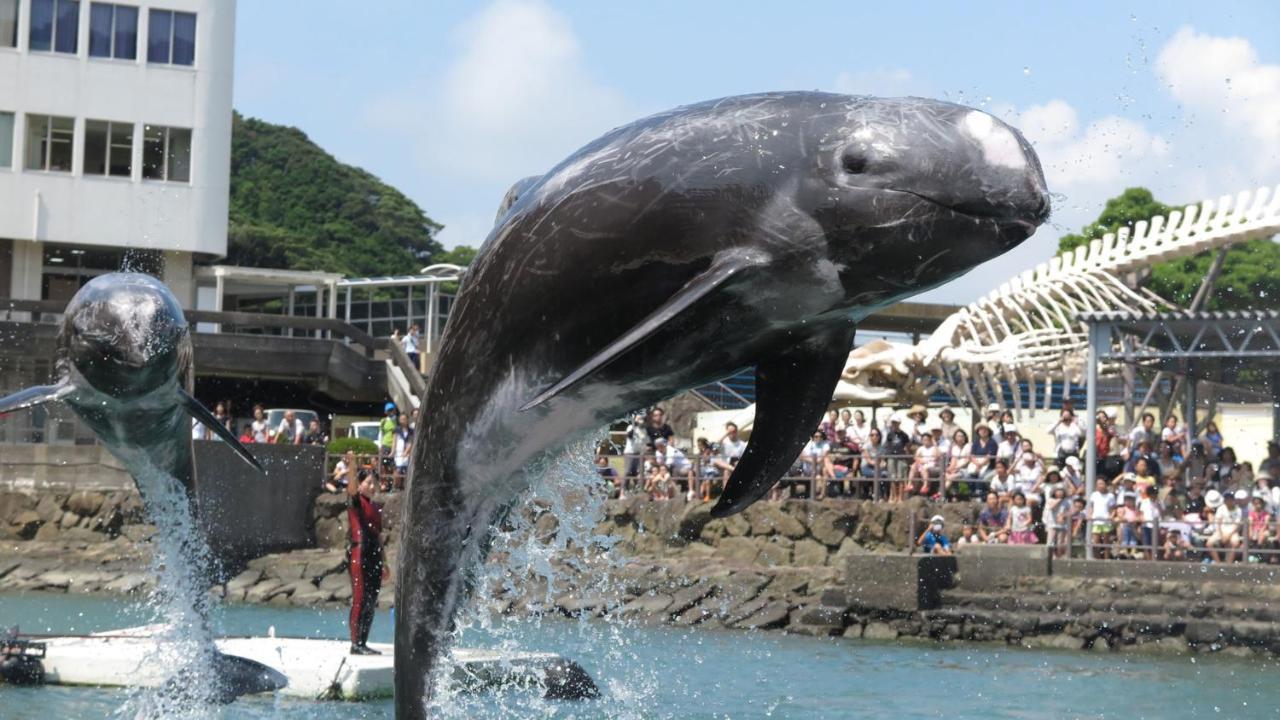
column 1011, row 218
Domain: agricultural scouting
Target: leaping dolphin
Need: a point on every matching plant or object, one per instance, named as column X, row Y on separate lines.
column 124, row 365
column 751, row 231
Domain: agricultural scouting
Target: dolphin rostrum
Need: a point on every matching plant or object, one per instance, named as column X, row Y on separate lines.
column 751, row 231
column 124, row 366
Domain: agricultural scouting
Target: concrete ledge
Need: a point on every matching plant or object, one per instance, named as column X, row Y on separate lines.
column 982, row 565
column 42, row 468
column 1174, row 571
column 901, row 583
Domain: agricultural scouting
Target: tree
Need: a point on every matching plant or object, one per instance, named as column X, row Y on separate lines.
column 1250, row 276
column 295, row 206
column 461, row 255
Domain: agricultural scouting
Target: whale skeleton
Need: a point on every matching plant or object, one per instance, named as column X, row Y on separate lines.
column 1026, row 330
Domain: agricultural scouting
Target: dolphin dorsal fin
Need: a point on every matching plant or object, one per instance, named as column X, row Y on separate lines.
column 722, row 268
column 206, row 418
column 793, row 388
column 33, row 396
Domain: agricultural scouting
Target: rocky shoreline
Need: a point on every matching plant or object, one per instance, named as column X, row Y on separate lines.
column 801, row 567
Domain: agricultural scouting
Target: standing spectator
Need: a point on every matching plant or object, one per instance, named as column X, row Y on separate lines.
column 260, row 431
column 633, row 453
column 917, row 423
column 992, row 418
column 290, row 431
column 1144, row 451
column 1099, row 509
column 410, row 345
column 387, row 436
column 709, row 469
column 402, row 450
column 1212, row 438
column 1126, row 518
column 1027, row 476
column 873, row 465
column 1005, row 426
column 1260, row 535
column 1151, row 512
column 246, row 434
column 1073, row 482
column 857, row 432
column 220, row 414
column 1171, row 497
column 1228, row 519
column 1197, row 462
column 1079, row 523
column 314, row 436
column 846, row 419
column 198, row 430
column 1142, row 477
column 1020, row 524
column 1057, row 521
column 816, row 460
column 658, row 427
column 927, row 466
column 958, row 460
column 1271, row 466
column 1224, row 473
column 993, row 521
column 932, row 541
column 1068, row 437
column 731, row 447
column 895, row 451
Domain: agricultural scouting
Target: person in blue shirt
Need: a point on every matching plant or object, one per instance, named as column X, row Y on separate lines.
column 932, row 541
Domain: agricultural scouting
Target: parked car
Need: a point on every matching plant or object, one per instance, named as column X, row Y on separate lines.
column 367, row 430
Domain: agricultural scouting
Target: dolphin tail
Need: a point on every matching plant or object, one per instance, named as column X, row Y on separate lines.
column 721, row 270
column 33, row 396
column 206, row 418
column 793, row 389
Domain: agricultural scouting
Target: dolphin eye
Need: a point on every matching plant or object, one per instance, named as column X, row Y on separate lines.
column 854, row 161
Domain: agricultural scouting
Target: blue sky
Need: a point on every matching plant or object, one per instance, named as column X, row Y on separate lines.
column 453, row 101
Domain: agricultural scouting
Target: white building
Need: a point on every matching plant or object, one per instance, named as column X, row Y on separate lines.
column 115, row 133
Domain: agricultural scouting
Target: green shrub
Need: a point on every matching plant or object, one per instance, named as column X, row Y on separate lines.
column 360, row 446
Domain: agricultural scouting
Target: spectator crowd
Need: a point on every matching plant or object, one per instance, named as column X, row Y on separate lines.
column 1160, row 492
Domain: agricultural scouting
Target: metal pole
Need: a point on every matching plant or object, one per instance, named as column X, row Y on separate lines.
column 289, row 310
column 319, row 304
column 432, row 304
column 1098, row 335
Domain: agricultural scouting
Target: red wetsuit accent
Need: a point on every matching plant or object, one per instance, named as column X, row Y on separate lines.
column 364, row 560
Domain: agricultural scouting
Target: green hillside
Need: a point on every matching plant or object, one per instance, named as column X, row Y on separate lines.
column 294, row 206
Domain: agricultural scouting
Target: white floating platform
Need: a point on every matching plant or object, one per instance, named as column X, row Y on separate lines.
column 316, row 669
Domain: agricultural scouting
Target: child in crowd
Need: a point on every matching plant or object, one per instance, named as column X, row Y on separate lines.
column 1020, row 525
column 1126, row 518
column 968, row 536
column 1100, row 506
column 1260, row 535
column 1079, row 522
column 1057, row 520
column 1176, row 545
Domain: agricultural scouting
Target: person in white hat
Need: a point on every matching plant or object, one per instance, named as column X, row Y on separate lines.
column 933, row 541
column 1228, row 517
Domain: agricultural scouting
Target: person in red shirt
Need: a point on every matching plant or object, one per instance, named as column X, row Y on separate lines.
column 364, row 558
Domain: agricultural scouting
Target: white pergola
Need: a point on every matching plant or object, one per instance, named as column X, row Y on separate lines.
column 238, row 281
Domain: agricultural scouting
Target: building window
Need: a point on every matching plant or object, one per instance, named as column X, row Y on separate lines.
column 49, row 141
column 172, row 38
column 6, row 139
column 55, row 25
column 113, row 31
column 108, row 148
column 8, row 23
column 166, row 153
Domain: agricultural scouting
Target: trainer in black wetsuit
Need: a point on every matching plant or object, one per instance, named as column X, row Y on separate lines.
column 364, row 559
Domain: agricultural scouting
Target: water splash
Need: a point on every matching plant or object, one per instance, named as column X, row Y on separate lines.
column 550, row 530
column 180, row 602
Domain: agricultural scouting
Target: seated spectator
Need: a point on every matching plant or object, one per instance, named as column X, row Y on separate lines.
column 1265, row 484
column 816, row 459
column 1072, row 480
column 1010, row 447
column 1171, row 497
column 1027, row 476
column 858, row 431
column 982, row 455
column 1176, row 545
column 958, row 456
column 932, row 541
column 1228, row 519
column 658, row 483
column 1142, row 477
column 948, row 423
column 1005, row 427
column 927, row 467
column 1100, row 508
column 993, row 521
column 1174, row 433
column 943, row 442
column 968, row 536
column 1002, row 480
column 1261, row 536
column 1212, row 439
column 343, row 472
column 829, row 425
column 610, row 476
column 675, row 465
column 1020, row 525
column 1144, row 451
column 1224, row 472
column 1195, row 503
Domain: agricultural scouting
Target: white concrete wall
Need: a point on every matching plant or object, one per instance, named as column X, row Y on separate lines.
column 72, row 208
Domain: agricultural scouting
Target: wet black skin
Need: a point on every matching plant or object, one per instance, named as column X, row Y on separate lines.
column 839, row 205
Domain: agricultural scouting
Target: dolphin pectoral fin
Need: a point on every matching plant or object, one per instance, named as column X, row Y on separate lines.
column 206, row 418
column 793, row 389
column 33, row 396
column 723, row 268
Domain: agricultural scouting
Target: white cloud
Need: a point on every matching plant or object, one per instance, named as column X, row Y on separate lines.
column 1222, row 81
column 517, row 98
